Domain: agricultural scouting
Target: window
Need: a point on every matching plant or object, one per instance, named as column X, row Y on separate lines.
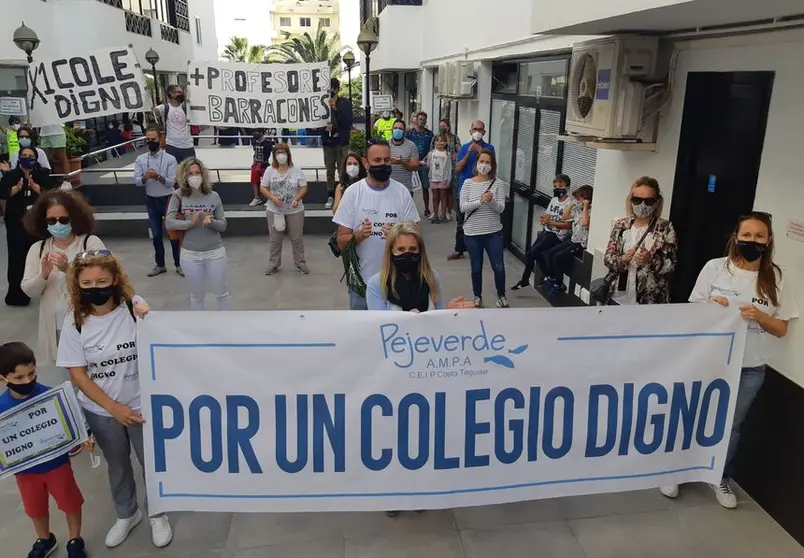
column 543, row 79
column 324, row 21
column 578, row 163
column 501, row 135
column 547, row 154
column 284, row 22
column 523, row 160
column 503, row 78
column 519, row 228
column 305, row 22
column 198, row 30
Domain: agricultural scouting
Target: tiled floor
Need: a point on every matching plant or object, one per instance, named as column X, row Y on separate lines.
column 636, row 524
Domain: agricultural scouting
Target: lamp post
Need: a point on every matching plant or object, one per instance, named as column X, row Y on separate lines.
column 367, row 41
column 26, row 40
column 349, row 62
column 153, row 57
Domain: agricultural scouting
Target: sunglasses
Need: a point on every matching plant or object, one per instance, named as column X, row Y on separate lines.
column 757, row 214
column 647, row 201
column 82, row 256
column 54, row 220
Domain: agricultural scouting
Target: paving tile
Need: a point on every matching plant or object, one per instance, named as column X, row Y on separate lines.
column 545, row 540
column 429, row 545
column 509, row 514
column 324, row 549
column 251, row 530
column 368, row 524
column 614, row 503
column 654, row 535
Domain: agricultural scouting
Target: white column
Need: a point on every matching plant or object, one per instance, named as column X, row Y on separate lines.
column 484, row 82
column 426, row 94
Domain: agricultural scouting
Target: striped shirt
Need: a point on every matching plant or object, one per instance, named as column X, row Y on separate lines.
column 482, row 218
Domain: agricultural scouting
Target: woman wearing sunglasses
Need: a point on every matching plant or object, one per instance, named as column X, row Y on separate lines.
column 641, row 254
column 98, row 346
column 21, row 187
column 64, row 222
column 749, row 280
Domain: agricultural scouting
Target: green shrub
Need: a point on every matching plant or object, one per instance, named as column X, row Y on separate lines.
column 76, row 145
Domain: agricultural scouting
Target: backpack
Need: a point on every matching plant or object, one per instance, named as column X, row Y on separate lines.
column 42, row 245
column 130, row 311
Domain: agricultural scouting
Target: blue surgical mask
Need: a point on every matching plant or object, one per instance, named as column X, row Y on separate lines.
column 27, row 163
column 25, row 142
column 398, row 134
column 60, row 231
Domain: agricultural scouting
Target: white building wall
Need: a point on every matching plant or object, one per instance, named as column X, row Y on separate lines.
column 250, row 19
column 779, row 186
column 207, row 48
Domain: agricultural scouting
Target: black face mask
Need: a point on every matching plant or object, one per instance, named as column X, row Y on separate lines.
column 153, row 145
column 97, row 296
column 179, row 98
column 749, row 250
column 406, row 263
column 22, row 389
column 380, row 173
column 559, row 192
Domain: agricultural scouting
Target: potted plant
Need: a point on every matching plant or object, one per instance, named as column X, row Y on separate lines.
column 76, row 147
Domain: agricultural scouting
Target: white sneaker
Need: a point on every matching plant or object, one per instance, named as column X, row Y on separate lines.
column 161, row 533
column 669, row 491
column 121, row 528
column 330, row 203
column 724, row 494
column 255, row 202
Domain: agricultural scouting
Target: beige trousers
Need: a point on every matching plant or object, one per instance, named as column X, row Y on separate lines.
column 294, row 227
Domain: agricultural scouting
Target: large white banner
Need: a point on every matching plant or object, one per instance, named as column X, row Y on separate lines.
column 240, row 95
column 81, row 86
column 326, row 411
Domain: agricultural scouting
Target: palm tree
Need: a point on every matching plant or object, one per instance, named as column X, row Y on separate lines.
column 306, row 49
column 238, row 50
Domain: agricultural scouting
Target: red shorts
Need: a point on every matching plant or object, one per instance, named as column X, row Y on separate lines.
column 35, row 488
column 256, row 173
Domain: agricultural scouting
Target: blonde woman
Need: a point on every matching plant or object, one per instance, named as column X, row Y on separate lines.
column 641, row 254
column 100, row 334
column 406, row 281
column 198, row 211
column 284, row 187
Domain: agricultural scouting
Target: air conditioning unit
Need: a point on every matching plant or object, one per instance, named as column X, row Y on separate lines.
column 607, row 86
column 445, row 79
column 465, row 79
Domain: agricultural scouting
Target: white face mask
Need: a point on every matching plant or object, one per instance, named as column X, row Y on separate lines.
column 195, row 181
column 282, row 158
column 352, row 170
column 15, row 127
column 477, row 136
column 483, row 169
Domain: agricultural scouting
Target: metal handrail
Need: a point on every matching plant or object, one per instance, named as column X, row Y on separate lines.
column 217, row 171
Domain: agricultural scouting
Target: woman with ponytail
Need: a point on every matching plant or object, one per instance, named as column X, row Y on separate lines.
column 748, row 279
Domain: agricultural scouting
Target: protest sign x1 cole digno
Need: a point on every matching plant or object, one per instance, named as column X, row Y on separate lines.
column 80, row 86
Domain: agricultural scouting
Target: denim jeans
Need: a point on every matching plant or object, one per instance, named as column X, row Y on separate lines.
column 494, row 245
column 157, row 208
column 357, row 302
column 535, row 256
column 751, row 380
column 559, row 259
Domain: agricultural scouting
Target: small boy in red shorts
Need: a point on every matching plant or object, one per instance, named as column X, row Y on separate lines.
column 51, row 478
column 263, row 145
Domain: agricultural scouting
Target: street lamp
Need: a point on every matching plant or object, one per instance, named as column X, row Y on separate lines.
column 349, row 62
column 26, row 40
column 153, row 57
column 367, row 41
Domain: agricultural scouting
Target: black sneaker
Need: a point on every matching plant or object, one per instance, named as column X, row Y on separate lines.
column 76, row 548
column 43, row 547
column 520, row 285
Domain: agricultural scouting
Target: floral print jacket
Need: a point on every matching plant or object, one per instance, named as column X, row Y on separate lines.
column 653, row 278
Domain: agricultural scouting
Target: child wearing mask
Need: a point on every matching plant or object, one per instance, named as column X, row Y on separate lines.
column 440, row 162
column 559, row 258
column 263, row 145
column 52, row 478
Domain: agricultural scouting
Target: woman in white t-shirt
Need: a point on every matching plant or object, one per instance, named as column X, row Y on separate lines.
column 748, row 279
column 284, row 186
column 98, row 346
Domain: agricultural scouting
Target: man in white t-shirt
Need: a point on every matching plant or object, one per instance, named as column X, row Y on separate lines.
column 367, row 209
column 178, row 140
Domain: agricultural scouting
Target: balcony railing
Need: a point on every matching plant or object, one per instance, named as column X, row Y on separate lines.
column 383, row 3
column 136, row 23
column 169, row 34
column 113, row 3
column 182, row 16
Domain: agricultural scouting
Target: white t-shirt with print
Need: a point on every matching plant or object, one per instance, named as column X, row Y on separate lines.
column 440, row 163
column 630, row 239
column 177, row 126
column 285, row 187
column 383, row 207
column 555, row 210
column 107, row 347
column 738, row 286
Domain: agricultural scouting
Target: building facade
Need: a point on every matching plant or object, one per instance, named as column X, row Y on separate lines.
column 305, row 16
column 248, row 19
column 723, row 145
